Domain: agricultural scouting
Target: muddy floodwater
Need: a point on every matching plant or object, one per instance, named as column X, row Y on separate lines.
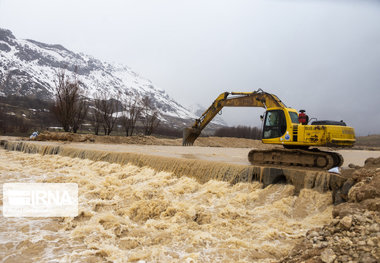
column 228, row 155
column 129, row 214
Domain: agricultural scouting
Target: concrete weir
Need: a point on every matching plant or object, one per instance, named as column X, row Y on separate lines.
column 202, row 170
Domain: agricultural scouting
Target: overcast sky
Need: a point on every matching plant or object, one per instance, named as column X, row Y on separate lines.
column 322, row 56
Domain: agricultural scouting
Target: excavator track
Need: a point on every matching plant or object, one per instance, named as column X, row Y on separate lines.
column 313, row 158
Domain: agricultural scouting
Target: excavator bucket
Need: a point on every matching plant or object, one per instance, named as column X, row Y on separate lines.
column 189, row 136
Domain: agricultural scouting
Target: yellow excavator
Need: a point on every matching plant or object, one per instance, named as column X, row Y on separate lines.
column 282, row 126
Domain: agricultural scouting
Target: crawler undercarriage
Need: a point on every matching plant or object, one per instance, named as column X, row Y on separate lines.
column 296, row 157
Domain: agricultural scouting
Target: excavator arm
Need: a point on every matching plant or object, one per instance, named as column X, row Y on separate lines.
column 257, row 98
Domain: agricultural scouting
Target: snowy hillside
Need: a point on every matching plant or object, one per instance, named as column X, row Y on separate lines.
column 28, row 68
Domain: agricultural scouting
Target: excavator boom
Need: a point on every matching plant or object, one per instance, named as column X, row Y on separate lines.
column 257, row 98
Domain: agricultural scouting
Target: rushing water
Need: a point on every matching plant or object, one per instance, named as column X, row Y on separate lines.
column 129, row 213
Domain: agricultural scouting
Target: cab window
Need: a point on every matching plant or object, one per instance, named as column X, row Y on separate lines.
column 294, row 117
column 274, row 124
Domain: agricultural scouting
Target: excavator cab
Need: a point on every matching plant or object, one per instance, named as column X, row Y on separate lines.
column 282, row 126
column 278, row 122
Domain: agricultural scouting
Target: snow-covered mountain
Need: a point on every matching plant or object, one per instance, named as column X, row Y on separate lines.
column 29, row 68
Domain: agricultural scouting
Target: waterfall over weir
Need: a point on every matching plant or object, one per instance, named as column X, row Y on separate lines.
column 201, row 170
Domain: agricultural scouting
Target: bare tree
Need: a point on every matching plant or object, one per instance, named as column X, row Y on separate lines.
column 96, row 119
column 69, row 106
column 130, row 115
column 66, row 94
column 107, row 110
column 80, row 114
column 149, row 115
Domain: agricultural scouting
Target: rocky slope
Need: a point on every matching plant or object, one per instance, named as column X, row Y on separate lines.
column 354, row 233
